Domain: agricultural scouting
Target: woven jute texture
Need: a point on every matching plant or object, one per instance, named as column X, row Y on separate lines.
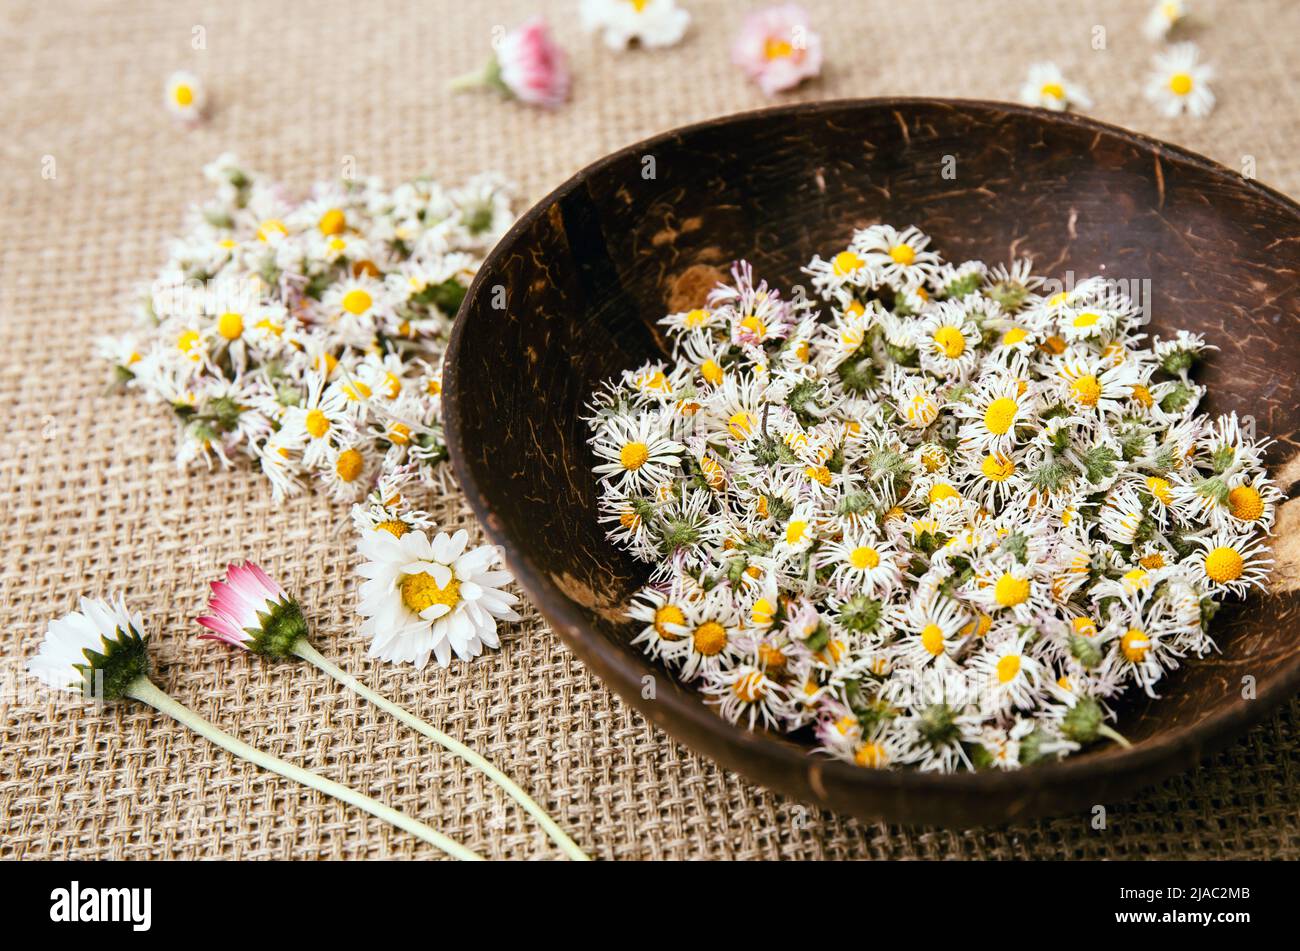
column 93, row 502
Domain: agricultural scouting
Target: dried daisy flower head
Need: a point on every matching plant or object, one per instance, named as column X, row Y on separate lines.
column 938, row 515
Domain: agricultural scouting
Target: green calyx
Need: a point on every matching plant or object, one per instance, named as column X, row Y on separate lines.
column 860, row 614
column 281, row 627
column 1083, row 722
column 107, row 674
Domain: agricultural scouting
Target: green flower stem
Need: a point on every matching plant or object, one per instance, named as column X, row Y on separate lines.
column 146, row 691
column 1115, row 735
column 307, row 652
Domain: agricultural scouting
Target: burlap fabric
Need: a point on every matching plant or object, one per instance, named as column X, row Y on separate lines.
column 92, row 500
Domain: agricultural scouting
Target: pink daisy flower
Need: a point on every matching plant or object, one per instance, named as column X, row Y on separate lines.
column 777, row 48
column 250, row 610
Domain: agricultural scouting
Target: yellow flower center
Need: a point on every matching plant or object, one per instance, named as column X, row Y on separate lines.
column 740, row 424
column 795, row 531
column 634, row 455
column 713, row 473
column 710, row 638
column 846, row 262
column 1010, row 590
column 950, row 341
column 1224, row 564
column 1245, row 503
column 394, row 526
column 434, row 387
column 711, row 372
column 1087, row 390
column 771, row 657
column 1053, row 344
column 776, row 49
column 1142, row 395
column 871, row 756
column 978, row 627
column 1000, row 415
column 1152, row 561
column 902, row 254
column 1160, row 489
column 332, row 222
column 183, row 94
column 356, row 390
column 1052, row 90
column 669, row 614
column 186, row 341
column 942, row 490
column 864, row 557
column 1088, row 318
column 696, row 318
column 1014, row 336
column 1008, row 668
column 357, row 301
column 348, row 465
column 1134, row 645
column 317, row 424
column 1084, row 627
column 421, row 592
column 749, row 686
column 271, row 227
column 399, row 434
column 932, row 639
column 1180, row 84
column 819, row 474
column 997, row 468
column 754, row 325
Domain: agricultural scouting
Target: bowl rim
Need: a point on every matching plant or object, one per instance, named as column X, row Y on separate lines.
column 1159, row 755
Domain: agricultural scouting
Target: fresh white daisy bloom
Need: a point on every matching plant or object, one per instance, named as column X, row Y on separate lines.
column 76, row 645
column 185, row 97
column 1163, row 17
column 1180, row 83
column 1047, row 87
column 425, row 597
column 651, row 23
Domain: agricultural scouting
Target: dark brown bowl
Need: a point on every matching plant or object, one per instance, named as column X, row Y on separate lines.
column 571, row 295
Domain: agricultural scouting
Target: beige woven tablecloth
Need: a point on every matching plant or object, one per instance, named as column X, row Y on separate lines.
column 91, row 498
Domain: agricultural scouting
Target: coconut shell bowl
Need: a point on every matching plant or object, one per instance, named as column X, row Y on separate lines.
column 571, row 296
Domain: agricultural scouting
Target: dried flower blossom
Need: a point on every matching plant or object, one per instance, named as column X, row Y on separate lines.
column 941, row 514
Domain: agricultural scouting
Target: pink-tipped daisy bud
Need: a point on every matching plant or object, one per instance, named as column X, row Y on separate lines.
column 98, row 650
column 252, row 611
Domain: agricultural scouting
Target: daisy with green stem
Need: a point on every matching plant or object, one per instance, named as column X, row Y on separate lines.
column 101, row 652
column 251, row 611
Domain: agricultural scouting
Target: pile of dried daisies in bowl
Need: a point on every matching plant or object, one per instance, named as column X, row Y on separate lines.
column 938, row 514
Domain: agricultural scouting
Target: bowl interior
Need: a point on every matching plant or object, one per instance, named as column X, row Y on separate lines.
column 570, row 297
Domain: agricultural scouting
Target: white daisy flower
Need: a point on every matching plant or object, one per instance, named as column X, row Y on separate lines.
column 1048, row 88
column 650, row 23
column 424, row 597
column 185, row 97
column 1179, row 82
column 1163, row 17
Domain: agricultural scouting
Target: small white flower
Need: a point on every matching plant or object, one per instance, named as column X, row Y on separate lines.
column 76, row 645
column 425, row 596
column 651, row 23
column 1180, row 83
column 185, row 97
column 1164, row 16
column 1048, row 88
